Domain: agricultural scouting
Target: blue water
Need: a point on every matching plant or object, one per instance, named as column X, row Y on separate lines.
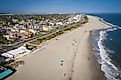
column 114, row 19
column 5, row 73
column 107, row 47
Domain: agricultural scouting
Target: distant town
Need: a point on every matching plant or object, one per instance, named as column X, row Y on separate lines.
column 16, row 28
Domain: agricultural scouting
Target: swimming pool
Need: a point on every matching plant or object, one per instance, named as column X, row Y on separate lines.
column 5, row 72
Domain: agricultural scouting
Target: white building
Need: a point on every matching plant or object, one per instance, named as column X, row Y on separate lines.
column 59, row 23
column 33, row 31
column 17, row 53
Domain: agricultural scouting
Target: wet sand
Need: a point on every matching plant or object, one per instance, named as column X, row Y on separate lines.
column 67, row 58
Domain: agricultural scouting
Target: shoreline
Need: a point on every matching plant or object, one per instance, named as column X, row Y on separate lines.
column 56, row 60
column 110, row 70
column 93, row 54
column 94, row 72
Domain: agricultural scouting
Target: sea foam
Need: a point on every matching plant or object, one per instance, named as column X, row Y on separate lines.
column 101, row 53
column 111, row 71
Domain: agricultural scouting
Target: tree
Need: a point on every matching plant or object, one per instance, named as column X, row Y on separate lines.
column 3, row 40
column 85, row 19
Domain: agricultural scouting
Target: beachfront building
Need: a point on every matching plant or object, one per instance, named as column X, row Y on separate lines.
column 17, row 53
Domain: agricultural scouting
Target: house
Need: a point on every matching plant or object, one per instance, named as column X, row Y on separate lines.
column 32, row 31
column 25, row 33
column 2, row 31
column 59, row 24
column 51, row 24
column 46, row 28
column 11, row 36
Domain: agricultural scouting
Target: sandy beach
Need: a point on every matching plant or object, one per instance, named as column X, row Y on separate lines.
column 66, row 57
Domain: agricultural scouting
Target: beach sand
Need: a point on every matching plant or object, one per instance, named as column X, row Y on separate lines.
column 67, row 58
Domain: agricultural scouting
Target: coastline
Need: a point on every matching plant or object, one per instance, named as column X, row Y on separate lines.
column 69, row 58
column 90, row 66
column 112, row 72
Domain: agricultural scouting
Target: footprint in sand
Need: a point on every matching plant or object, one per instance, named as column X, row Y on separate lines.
column 61, row 63
column 61, row 60
column 65, row 74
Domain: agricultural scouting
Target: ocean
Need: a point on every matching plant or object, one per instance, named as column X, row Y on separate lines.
column 107, row 46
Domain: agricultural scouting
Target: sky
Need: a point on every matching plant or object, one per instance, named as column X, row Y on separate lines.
column 60, row 6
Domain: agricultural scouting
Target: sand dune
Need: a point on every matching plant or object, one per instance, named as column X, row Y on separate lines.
column 68, row 58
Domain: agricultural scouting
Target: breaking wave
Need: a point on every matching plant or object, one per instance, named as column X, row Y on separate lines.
column 101, row 53
column 111, row 71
